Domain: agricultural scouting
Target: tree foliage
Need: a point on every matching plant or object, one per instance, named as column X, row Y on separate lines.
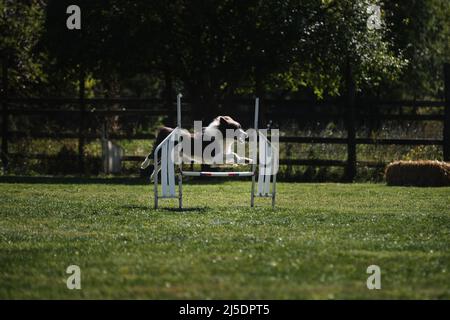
column 21, row 25
column 421, row 29
column 220, row 48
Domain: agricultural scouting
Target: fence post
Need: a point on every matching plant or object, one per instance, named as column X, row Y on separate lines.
column 350, row 169
column 5, row 115
column 168, row 97
column 446, row 133
column 105, row 149
column 81, row 139
column 259, row 92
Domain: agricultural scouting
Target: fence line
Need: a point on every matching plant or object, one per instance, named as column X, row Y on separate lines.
column 277, row 110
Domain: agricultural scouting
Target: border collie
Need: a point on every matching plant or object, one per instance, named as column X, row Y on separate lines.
column 221, row 124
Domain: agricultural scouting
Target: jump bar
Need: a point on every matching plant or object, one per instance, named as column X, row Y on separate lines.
column 217, row 174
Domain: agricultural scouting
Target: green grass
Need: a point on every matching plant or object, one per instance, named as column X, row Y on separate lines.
column 316, row 244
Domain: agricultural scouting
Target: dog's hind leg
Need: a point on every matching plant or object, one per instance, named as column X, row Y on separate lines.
column 160, row 136
column 146, row 162
column 155, row 172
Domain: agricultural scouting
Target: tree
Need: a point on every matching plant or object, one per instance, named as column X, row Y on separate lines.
column 21, row 25
column 220, row 48
column 421, row 30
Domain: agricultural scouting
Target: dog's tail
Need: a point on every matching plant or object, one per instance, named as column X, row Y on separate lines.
column 162, row 134
column 148, row 167
column 147, row 162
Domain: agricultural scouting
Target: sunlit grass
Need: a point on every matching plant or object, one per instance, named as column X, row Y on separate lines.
column 316, row 244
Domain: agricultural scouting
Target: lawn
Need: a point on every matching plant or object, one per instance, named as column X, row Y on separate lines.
column 316, row 244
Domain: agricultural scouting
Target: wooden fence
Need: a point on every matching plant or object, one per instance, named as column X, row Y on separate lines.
column 349, row 110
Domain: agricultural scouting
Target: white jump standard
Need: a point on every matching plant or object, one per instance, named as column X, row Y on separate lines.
column 263, row 173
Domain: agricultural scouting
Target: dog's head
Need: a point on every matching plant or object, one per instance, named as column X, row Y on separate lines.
column 225, row 123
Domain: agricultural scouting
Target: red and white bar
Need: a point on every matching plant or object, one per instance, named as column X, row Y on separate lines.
column 217, row 174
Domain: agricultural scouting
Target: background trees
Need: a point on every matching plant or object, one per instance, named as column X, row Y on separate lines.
column 421, row 29
column 222, row 48
column 21, row 25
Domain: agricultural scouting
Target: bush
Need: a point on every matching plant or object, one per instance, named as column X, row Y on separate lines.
column 424, row 173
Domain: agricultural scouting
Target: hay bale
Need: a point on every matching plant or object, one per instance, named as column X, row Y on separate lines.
column 424, row 173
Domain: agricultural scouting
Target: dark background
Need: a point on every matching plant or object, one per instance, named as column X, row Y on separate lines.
column 347, row 99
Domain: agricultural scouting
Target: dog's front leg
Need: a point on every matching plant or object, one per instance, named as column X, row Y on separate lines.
column 238, row 159
column 155, row 171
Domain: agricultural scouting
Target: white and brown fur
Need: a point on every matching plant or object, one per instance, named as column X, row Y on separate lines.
column 220, row 123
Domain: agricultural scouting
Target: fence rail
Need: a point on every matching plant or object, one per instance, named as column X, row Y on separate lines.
column 290, row 162
column 83, row 108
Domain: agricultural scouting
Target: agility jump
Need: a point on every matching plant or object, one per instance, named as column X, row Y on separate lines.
column 263, row 171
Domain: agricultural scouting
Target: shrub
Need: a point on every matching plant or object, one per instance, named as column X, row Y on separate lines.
column 424, row 173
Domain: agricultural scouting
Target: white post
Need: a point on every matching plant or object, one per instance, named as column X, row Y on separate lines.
column 180, row 166
column 256, row 113
column 179, row 110
column 252, row 197
column 155, row 178
column 274, row 188
column 275, row 166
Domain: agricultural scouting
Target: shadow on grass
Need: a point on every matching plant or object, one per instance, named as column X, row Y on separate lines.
column 184, row 210
column 102, row 180
column 74, row 180
column 170, row 209
column 136, row 207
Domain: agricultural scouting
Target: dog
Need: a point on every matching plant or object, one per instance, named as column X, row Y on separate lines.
column 221, row 124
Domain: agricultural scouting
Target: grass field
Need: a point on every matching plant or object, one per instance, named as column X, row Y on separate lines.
column 316, row 244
